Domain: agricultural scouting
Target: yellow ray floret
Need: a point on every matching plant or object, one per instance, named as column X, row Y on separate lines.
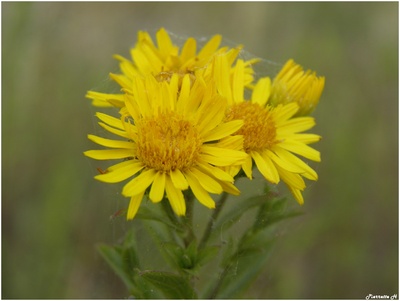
column 292, row 84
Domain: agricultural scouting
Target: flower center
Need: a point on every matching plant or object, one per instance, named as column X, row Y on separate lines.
column 259, row 131
column 167, row 142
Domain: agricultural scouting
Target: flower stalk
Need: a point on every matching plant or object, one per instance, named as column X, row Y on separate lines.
column 188, row 220
column 211, row 222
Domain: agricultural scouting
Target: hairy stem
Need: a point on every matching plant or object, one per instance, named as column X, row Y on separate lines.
column 221, row 279
column 170, row 214
column 188, row 220
column 212, row 220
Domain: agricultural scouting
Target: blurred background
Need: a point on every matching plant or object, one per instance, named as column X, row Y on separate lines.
column 54, row 212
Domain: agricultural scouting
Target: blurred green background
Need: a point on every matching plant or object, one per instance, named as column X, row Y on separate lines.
column 54, row 212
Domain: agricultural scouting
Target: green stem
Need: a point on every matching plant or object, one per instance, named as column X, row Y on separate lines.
column 188, row 220
column 214, row 292
column 233, row 258
column 168, row 210
column 212, row 220
column 238, row 250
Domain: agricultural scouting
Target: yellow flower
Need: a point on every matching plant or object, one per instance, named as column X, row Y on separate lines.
column 272, row 136
column 164, row 60
column 170, row 143
column 292, row 84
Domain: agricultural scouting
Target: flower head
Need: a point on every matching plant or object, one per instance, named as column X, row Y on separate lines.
column 292, row 84
column 163, row 60
column 170, row 144
column 272, row 135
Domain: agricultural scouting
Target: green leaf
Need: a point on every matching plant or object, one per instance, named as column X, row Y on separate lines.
column 113, row 257
column 230, row 218
column 125, row 262
column 242, row 271
column 147, row 214
column 129, row 253
column 189, row 259
column 206, row 254
column 174, row 252
column 173, row 286
column 145, row 289
column 241, row 264
column 164, row 242
column 273, row 212
column 190, row 256
column 230, row 249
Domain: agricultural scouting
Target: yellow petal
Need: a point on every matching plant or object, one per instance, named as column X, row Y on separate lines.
column 261, row 91
column 307, row 171
column 183, row 95
column 126, row 66
column 111, row 143
column 215, row 171
column 266, row 167
column 284, row 112
column 195, row 97
column 140, row 183
column 211, row 46
column 231, row 142
column 178, row 179
column 142, row 62
column 114, row 122
column 101, row 103
column 153, row 59
column 164, row 43
column 120, row 171
column 175, row 197
column 115, row 131
column 221, row 69
column 157, row 188
column 247, row 167
column 207, row 182
column 232, row 170
column 121, row 80
column 210, row 114
column 223, row 130
column 295, row 125
column 188, row 50
column 132, row 108
column 170, row 92
column 301, row 149
column 283, row 159
column 222, row 156
column 134, row 204
column 200, row 193
column 238, row 82
column 297, row 195
column 108, row 154
column 292, row 180
column 103, row 99
column 233, row 53
column 304, row 138
column 141, row 95
column 230, row 188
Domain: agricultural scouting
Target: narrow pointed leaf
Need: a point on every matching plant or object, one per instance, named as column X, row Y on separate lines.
column 115, row 260
column 173, row 286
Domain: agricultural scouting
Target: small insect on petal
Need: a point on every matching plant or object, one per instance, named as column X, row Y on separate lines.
column 102, row 171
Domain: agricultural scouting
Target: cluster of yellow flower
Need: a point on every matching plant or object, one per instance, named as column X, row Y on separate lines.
column 186, row 123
